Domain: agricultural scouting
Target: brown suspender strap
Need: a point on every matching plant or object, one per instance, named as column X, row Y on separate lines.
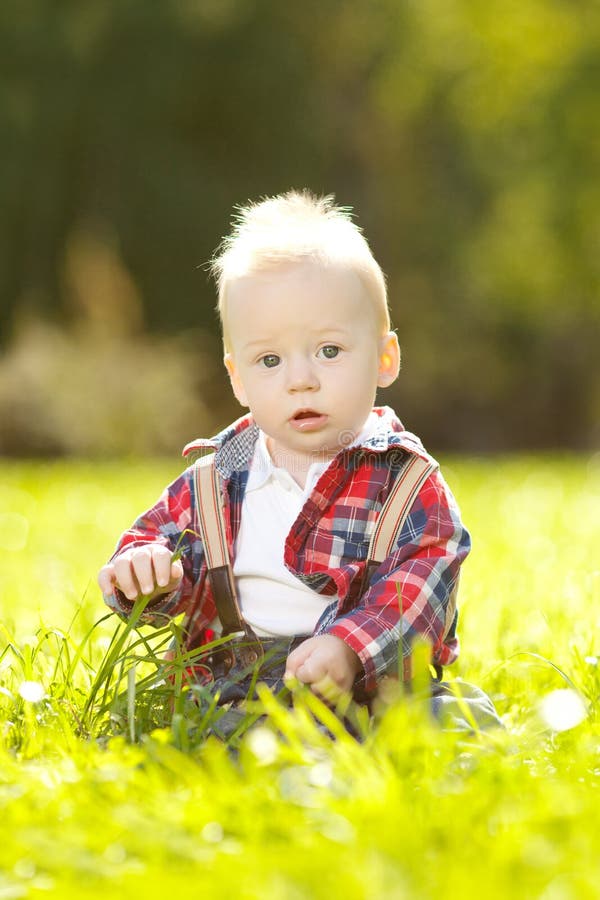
column 396, row 508
column 391, row 520
column 211, row 522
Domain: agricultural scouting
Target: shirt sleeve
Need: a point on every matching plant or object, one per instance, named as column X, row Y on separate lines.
column 169, row 523
column 420, row 577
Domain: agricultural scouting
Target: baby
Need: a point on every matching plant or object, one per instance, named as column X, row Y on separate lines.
column 307, row 342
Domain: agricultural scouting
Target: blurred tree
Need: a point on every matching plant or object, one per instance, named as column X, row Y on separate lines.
column 465, row 133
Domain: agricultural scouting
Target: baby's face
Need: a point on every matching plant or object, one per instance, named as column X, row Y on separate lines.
column 307, row 355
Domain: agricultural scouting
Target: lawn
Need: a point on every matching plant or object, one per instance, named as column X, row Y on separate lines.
column 109, row 787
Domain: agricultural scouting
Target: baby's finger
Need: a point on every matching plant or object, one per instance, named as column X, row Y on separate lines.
column 310, row 671
column 297, row 657
column 141, row 563
column 124, row 579
column 176, row 571
column 161, row 560
column 106, row 579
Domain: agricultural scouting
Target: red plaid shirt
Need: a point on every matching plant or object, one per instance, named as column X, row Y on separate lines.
column 327, row 548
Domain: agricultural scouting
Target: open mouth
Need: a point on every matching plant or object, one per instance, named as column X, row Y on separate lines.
column 306, row 414
column 307, row 420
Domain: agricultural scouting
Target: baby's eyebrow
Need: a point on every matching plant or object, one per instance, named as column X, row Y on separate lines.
column 261, row 342
column 332, row 333
column 323, row 332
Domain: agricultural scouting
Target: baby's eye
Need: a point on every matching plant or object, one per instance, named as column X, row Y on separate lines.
column 330, row 351
column 270, row 360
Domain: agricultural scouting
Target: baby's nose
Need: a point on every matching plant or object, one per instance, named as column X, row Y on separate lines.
column 302, row 376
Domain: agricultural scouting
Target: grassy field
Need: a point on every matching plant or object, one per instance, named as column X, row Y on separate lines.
column 108, row 788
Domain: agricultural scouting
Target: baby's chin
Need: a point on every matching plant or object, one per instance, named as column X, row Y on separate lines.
column 310, row 450
column 341, row 440
column 318, row 451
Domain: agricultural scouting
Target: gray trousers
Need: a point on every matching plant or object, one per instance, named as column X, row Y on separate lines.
column 457, row 706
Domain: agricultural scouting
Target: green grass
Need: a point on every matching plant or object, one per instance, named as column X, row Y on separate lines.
column 109, row 788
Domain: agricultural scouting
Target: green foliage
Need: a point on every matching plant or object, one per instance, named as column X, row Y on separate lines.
column 109, row 785
column 464, row 133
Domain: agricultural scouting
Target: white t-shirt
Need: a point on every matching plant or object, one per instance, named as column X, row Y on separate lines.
column 273, row 601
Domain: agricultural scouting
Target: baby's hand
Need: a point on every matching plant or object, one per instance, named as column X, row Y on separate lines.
column 326, row 662
column 144, row 570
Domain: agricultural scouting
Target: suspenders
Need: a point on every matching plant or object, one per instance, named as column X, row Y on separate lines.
column 211, row 522
column 395, row 510
column 207, row 489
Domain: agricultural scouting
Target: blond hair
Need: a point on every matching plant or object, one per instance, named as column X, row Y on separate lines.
column 292, row 228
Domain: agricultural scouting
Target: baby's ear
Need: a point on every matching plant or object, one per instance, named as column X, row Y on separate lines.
column 236, row 382
column 389, row 359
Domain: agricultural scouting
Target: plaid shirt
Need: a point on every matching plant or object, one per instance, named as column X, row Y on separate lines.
column 327, row 548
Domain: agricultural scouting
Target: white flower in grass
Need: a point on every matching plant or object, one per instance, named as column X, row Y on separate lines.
column 562, row 709
column 32, row 691
column 264, row 745
column 213, row 832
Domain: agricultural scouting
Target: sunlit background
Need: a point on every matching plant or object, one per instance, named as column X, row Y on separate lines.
column 466, row 135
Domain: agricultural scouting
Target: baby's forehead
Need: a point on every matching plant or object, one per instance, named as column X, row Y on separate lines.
column 304, row 296
column 310, row 267
column 304, row 278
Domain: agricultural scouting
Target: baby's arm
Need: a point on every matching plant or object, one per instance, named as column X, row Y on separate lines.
column 324, row 661
column 142, row 562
